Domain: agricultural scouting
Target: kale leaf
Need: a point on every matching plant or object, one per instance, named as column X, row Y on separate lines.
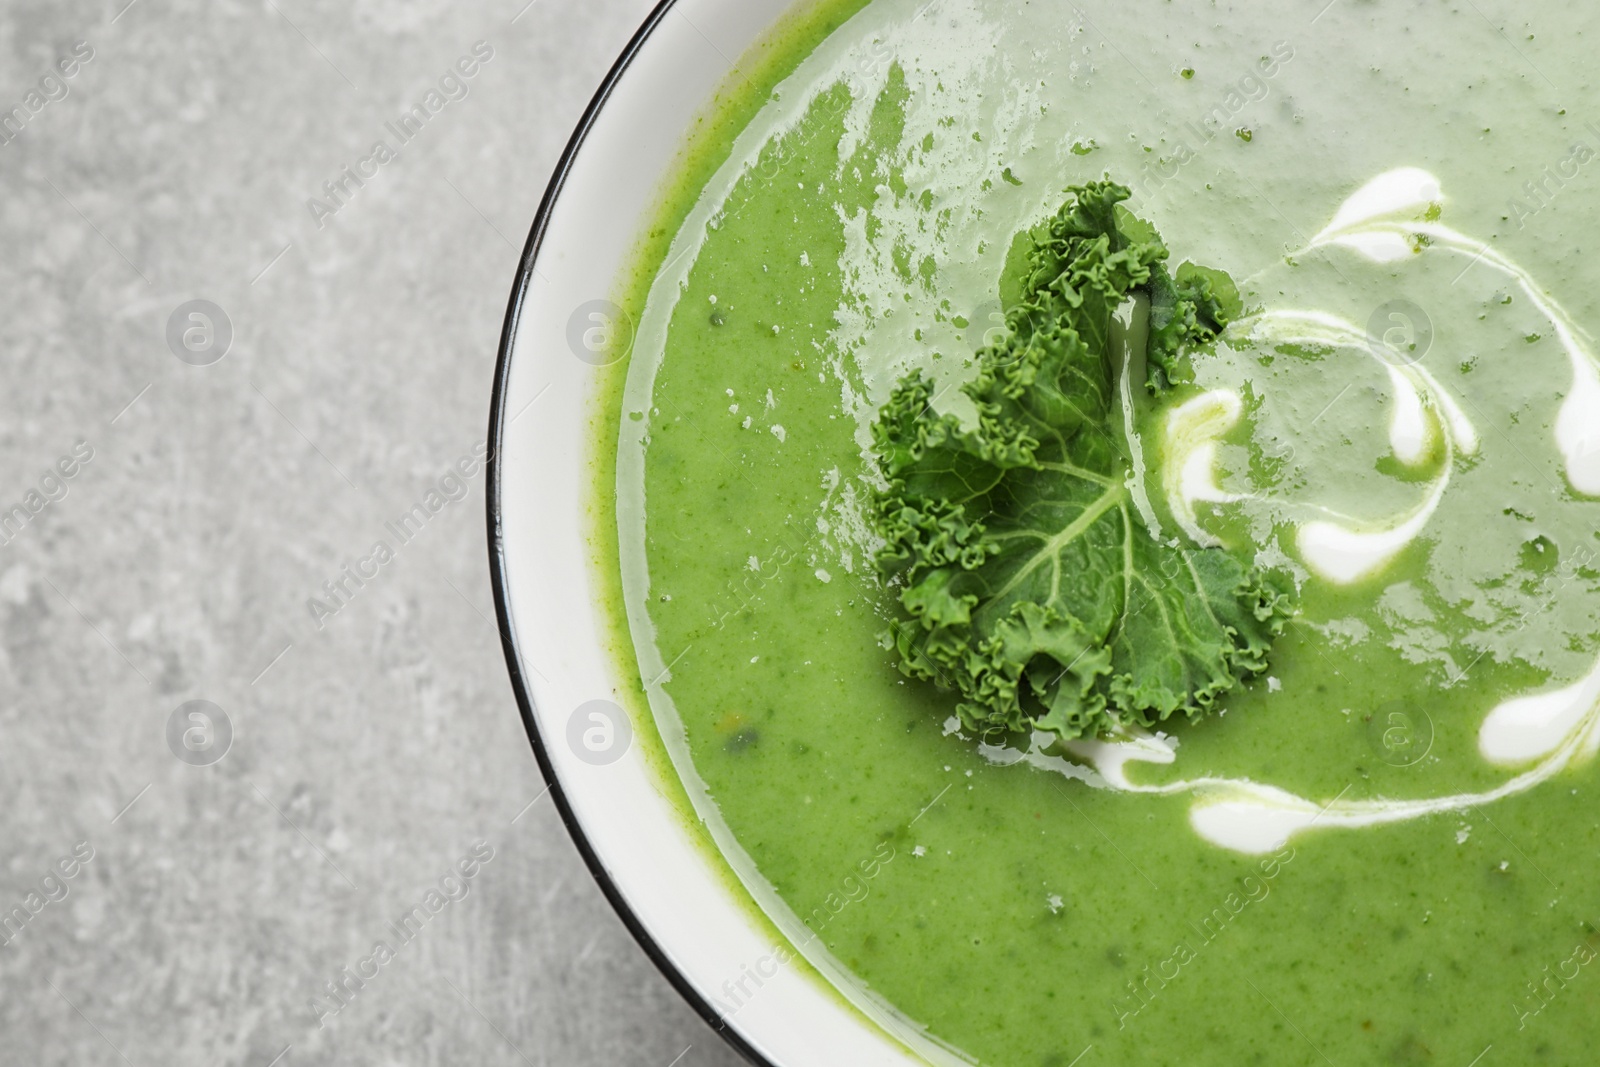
column 1034, row 583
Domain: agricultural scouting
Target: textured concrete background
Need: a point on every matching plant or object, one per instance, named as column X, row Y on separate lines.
column 368, row 754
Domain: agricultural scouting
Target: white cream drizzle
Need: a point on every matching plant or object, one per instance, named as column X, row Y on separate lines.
column 1552, row 729
column 1342, row 550
column 1371, row 222
column 1339, row 549
column 1192, row 430
column 1558, row 729
column 1537, row 726
column 1409, row 427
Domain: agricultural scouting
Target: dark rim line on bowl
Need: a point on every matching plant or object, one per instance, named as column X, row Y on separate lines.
column 497, row 568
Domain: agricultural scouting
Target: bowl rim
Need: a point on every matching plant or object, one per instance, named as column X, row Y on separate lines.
column 496, row 544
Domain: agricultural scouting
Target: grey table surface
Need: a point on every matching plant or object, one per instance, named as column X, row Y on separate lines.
column 168, row 525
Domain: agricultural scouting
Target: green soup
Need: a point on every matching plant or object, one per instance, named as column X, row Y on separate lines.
column 1381, row 851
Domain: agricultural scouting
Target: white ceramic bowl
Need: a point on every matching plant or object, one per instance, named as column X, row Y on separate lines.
column 699, row 925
